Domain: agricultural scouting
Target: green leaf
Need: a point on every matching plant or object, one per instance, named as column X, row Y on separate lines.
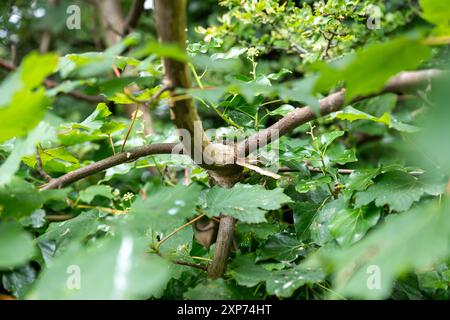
column 90, row 129
column 113, row 268
column 436, row 12
column 62, row 234
column 18, row 199
column 26, row 110
column 54, row 160
column 101, row 190
column 351, row 114
column 247, row 203
column 360, row 179
column 280, row 74
column 337, row 153
column 372, row 67
column 232, row 54
column 283, row 283
column 350, row 225
column 217, row 289
column 16, row 245
column 246, row 272
column 166, row 209
column 326, row 139
column 283, row 247
column 397, row 189
column 282, row 110
column 320, row 233
column 23, row 103
column 24, row 147
column 304, row 213
column 172, row 51
column 407, row 241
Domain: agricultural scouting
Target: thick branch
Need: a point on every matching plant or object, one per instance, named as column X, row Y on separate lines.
column 222, row 247
column 52, row 84
column 171, row 25
column 112, row 20
column 334, row 102
column 129, row 156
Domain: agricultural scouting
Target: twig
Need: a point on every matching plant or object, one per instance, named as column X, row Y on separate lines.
column 137, row 7
column 340, row 171
column 180, row 228
column 189, row 264
column 136, row 110
column 146, row 104
column 104, row 209
column 129, row 156
column 39, row 166
column 58, row 217
column 111, row 142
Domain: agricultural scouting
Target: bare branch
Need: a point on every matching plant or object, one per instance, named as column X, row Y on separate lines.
column 129, row 156
column 334, row 102
column 137, row 7
column 39, row 166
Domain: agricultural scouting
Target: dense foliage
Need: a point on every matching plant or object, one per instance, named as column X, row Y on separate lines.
column 352, row 204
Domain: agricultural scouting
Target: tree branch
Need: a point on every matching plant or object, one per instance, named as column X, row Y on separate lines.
column 137, row 7
column 170, row 25
column 129, row 156
column 222, row 247
column 52, row 84
column 40, row 167
column 334, row 102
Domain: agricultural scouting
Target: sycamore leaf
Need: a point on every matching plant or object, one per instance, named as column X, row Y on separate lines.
column 281, row 247
column 397, row 189
column 16, row 245
column 350, row 225
column 88, row 194
column 247, row 203
column 165, row 209
column 406, row 241
column 351, row 114
column 24, row 147
column 283, row 283
column 113, row 268
column 246, row 272
column 18, row 199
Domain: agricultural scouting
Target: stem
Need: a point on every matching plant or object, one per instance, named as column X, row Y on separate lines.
column 112, row 144
column 109, row 210
column 129, row 128
column 178, row 229
column 189, row 264
column 39, row 166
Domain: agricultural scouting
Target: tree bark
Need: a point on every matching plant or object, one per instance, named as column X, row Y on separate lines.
column 115, row 27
